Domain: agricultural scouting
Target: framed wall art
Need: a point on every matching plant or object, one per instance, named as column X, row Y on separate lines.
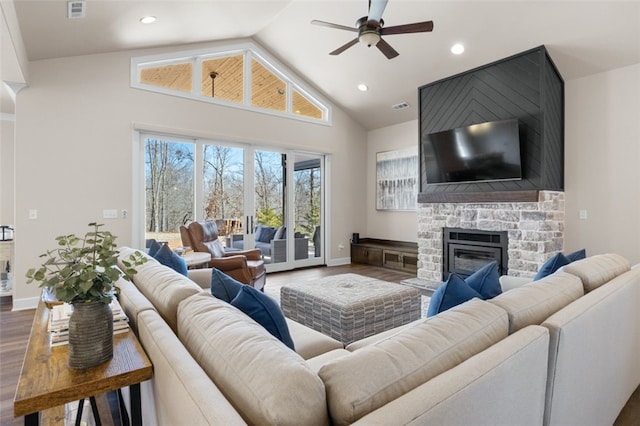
column 397, row 179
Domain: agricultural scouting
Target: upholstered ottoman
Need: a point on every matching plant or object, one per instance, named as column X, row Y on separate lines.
column 350, row 307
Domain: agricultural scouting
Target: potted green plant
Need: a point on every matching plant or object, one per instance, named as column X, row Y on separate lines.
column 82, row 271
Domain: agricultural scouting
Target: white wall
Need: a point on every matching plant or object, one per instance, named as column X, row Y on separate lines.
column 390, row 225
column 6, row 168
column 74, row 129
column 602, row 162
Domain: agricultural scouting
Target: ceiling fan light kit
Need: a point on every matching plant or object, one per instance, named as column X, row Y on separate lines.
column 370, row 30
column 369, row 38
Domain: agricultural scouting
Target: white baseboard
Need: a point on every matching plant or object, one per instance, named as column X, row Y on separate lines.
column 339, row 262
column 26, row 303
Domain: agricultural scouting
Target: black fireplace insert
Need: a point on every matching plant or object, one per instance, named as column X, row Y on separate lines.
column 467, row 250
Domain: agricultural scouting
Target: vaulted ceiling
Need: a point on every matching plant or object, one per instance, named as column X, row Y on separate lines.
column 583, row 37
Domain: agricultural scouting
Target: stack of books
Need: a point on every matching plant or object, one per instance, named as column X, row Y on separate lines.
column 59, row 322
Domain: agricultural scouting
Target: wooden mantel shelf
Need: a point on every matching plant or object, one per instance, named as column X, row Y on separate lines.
column 479, row 197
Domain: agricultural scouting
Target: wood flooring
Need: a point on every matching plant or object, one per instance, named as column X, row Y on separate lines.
column 16, row 326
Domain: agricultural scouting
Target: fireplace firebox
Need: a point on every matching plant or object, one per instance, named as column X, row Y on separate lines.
column 467, row 250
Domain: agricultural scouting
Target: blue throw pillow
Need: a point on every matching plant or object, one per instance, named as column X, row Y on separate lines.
column 265, row 311
column 577, row 255
column 267, row 234
column 224, row 287
column 551, row 265
column 281, row 233
column 154, row 247
column 258, row 232
column 451, row 293
column 486, row 281
column 168, row 258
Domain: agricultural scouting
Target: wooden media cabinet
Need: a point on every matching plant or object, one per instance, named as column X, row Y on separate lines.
column 399, row 255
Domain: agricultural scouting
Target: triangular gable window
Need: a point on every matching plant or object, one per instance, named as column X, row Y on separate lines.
column 237, row 76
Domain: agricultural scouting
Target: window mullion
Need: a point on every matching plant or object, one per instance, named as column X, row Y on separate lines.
column 197, row 77
column 247, row 80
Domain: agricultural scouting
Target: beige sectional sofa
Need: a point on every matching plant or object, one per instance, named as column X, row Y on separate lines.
column 496, row 362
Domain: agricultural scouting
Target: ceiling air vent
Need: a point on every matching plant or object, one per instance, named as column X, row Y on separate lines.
column 401, row 105
column 76, row 9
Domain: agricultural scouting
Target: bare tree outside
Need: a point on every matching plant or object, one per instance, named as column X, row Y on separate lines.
column 169, row 184
column 170, row 189
column 308, row 201
column 269, row 188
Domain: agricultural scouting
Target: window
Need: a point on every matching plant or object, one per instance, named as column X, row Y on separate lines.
column 240, row 76
column 222, row 78
column 174, row 76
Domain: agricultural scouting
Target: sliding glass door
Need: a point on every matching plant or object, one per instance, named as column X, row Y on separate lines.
column 288, row 193
column 260, row 198
column 169, row 187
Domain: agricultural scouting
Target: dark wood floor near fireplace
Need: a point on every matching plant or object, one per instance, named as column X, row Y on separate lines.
column 15, row 328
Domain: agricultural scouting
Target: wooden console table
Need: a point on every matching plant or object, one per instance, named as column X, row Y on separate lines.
column 398, row 255
column 47, row 381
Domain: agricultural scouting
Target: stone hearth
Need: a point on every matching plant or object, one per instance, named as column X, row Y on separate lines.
column 535, row 231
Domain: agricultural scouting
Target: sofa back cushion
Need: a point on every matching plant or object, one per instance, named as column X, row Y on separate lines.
column 374, row 375
column 266, row 382
column 597, row 270
column 132, row 302
column 163, row 286
column 182, row 392
column 532, row 303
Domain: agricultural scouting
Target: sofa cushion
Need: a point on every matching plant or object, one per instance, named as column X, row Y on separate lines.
column 372, row 376
column 265, row 311
column 168, row 258
column 486, row 281
column 309, row 342
column 132, row 302
column 551, row 265
column 163, row 286
column 451, row 293
column 502, row 385
column 182, row 392
column 223, row 286
column 264, row 380
column 597, row 270
column 532, row 303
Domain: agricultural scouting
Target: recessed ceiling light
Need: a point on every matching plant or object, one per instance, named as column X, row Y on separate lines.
column 363, row 87
column 457, row 49
column 148, row 19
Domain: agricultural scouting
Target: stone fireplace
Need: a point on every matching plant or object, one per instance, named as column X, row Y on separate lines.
column 535, row 231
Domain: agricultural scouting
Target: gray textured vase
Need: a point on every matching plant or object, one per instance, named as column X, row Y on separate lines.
column 90, row 334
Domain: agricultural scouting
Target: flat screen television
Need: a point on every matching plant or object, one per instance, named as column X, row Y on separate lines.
column 478, row 153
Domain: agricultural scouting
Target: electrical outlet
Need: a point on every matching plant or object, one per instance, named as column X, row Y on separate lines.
column 340, row 246
column 583, row 215
column 33, row 214
column 124, row 214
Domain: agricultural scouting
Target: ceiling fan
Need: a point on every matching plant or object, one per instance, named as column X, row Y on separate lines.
column 370, row 30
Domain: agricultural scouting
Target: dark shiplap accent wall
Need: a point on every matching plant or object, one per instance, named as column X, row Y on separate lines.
column 526, row 86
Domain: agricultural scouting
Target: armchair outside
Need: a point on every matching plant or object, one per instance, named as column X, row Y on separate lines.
column 245, row 266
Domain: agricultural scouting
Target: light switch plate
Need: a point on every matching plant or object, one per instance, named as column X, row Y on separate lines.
column 110, row 214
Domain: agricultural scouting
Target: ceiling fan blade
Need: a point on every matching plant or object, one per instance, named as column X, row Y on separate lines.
column 342, row 48
column 336, row 26
column 418, row 27
column 386, row 48
column 376, row 9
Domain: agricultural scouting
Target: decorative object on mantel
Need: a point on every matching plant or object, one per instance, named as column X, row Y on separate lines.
column 83, row 272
